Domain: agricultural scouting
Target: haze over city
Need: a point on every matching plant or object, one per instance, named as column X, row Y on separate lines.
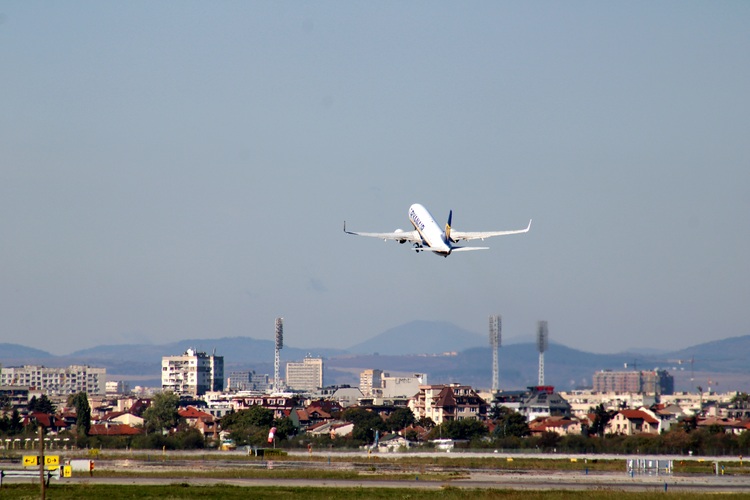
column 183, row 170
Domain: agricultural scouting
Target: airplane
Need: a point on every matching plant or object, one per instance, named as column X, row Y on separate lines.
column 427, row 235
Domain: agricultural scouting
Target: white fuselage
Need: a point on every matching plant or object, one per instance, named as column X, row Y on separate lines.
column 428, row 229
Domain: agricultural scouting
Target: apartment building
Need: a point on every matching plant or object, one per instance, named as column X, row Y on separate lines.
column 643, row 381
column 581, row 401
column 370, row 380
column 305, row 376
column 239, row 381
column 193, row 373
column 56, row 381
column 448, row 402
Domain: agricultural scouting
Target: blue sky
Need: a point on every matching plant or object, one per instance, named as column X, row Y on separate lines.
column 176, row 170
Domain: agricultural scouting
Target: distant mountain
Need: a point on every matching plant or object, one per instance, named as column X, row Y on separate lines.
column 730, row 355
column 419, row 347
column 236, row 350
column 565, row 368
column 421, row 337
column 16, row 351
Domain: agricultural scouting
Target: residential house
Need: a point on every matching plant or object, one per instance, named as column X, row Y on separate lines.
column 448, row 402
column 53, row 423
column 543, row 401
column 334, row 428
column 564, row 426
column 204, row 422
column 121, row 417
column 393, row 442
column 728, row 425
column 630, row 422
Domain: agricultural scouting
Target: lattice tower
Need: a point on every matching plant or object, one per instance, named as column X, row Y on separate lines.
column 542, row 336
column 495, row 338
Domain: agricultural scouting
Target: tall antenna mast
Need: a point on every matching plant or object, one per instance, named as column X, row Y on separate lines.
column 277, row 359
column 542, row 336
column 495, row 326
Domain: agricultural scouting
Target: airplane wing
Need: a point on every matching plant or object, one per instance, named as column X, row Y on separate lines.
column 480, row 235
column 400, row 236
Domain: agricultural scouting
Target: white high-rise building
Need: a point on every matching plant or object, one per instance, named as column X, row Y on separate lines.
column 305, row 376
column 57, row 381
column 193, row 373
column 369, row 382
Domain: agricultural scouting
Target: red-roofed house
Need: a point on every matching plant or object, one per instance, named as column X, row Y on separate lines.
column 728, row 425
column 448, row 402
column 559, row 425
column 204, row 422
column 629, row 422
column 113, row 430
column 52, row 423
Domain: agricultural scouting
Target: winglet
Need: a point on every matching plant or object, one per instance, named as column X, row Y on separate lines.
column 529, row 226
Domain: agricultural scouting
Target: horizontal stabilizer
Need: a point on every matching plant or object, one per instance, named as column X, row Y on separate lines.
column 468, row 249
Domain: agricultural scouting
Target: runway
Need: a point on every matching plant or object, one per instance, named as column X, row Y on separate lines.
column 501, row 481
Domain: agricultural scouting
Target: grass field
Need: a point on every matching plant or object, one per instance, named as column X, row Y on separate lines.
column 184, row 491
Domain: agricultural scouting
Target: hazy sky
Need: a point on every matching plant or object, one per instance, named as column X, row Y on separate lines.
column 174, row 170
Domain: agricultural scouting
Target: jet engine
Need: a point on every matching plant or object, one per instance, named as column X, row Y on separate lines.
column 400, row 231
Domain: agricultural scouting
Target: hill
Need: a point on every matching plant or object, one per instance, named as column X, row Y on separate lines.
column 420, row 337
column 11, row 352
column 565, row 368
column 728, row 355
column 445, row 352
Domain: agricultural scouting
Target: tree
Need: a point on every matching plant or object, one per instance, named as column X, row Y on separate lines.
column 426, row 422
column 549, row 440
column 601, row 419
column 6, row 405
column 284, row 428
column 400, row 419
column 460, row 429
column 255, row 416
column 740, row 397
column 510, row 423
column 80, row 402
column 162, row 414
column 16, row 424
column 366, row 423
column 41, row 405
column 249, row 426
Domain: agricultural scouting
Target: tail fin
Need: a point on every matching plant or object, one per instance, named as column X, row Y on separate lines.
column 448, row 227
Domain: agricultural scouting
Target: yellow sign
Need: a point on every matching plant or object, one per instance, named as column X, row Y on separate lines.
column 30, row 460
column 67, row 471
column 52, row 460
